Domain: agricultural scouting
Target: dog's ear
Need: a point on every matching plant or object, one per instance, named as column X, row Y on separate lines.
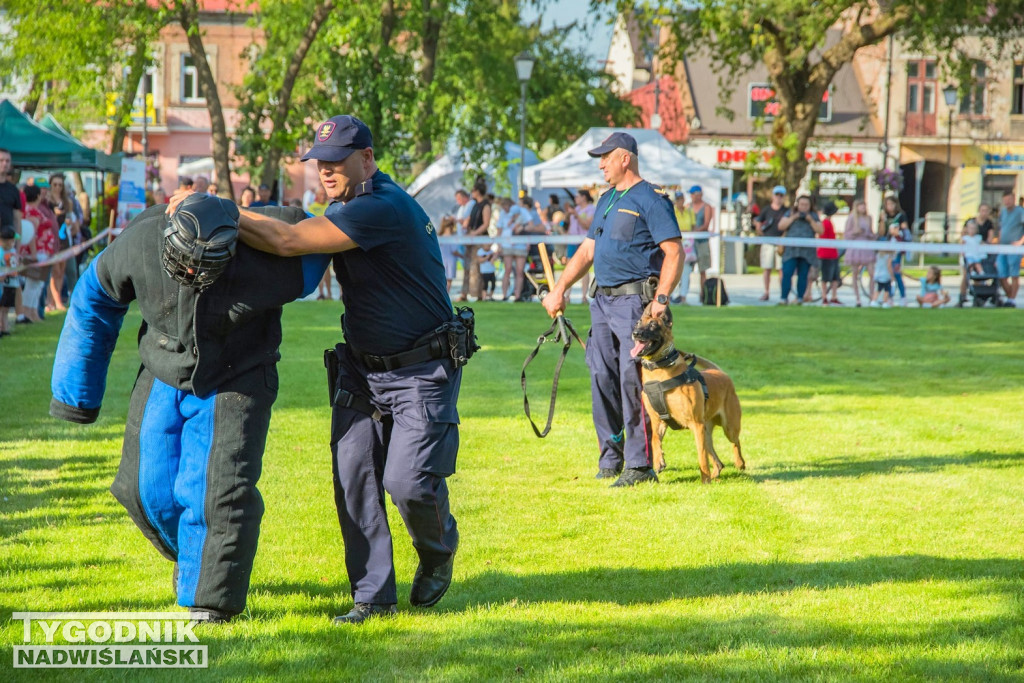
column 668, row 317
column 647, row 309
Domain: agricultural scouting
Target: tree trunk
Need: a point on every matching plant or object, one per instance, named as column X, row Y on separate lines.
column 188, row 13
column 32, row 102
column 375, row 107
column 432, row 23
column 130, row 86
column 277, row 119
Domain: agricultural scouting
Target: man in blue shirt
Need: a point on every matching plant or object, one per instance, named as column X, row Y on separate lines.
column 635, row 247
column 1011, row 232
column 395, row 422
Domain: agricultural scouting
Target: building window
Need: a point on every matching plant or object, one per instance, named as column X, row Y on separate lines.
column 921, row 97
column 189, row 80
column 973, row 101
column 1017, row 106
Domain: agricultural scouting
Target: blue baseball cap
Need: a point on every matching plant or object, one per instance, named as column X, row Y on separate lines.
column 779, row 189
column 337, row 137
column 696, row 188
column 615, row 141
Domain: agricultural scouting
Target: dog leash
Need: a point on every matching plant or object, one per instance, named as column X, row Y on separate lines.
column 562, row 331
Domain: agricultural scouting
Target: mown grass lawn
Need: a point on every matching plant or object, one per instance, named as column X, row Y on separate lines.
column 876, row 535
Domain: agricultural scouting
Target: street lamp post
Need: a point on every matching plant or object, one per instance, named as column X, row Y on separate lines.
column 524, row 68
column 656, row 117
column 950, row 94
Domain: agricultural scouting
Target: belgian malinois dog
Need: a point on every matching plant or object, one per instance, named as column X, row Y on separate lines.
column 684, row 395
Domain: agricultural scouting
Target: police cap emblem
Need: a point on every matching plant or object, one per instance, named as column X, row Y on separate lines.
column 325, row 131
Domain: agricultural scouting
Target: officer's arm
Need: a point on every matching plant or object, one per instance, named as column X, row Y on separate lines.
column 672, row 267
column 577, row 267
column 87, row 341
column 316, row 235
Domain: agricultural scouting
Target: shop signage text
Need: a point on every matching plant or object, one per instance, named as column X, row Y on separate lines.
column 730, row 156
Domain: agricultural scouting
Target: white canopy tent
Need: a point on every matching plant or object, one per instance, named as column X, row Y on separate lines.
column 434, row 189
column 660, row 163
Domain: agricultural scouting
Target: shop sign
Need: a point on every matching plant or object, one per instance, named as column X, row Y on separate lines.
column 834, row 184
column 730, row 156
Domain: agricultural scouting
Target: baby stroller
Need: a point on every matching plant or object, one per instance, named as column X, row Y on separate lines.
column 984, row 286
column 534, row 281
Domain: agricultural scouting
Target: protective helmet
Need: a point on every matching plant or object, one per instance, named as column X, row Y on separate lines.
column 199, row 240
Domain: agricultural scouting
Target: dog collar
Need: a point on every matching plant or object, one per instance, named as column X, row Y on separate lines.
column 666, row 362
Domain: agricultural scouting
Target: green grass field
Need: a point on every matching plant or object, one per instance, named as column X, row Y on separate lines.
column 876, row 534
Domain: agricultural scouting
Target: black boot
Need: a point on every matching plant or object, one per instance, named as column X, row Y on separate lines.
column 362, row 611
column 208, row 615
column 430, row 585
column 631, row 476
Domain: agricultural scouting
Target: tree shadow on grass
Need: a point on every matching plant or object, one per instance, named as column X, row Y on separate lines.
column 607, row 640
column 632, row 585
column 853, row 468
column 631, row 646
column 31, row 502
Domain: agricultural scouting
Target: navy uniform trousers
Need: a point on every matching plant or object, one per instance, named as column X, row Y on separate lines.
column 615, row 384
column 187, row 478
column 408, row 453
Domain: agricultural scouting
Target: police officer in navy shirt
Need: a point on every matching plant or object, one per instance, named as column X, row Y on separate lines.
column 633, row 238
column 395, row 423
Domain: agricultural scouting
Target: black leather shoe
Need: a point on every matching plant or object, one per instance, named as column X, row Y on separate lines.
column 631, row 476
column 607, row 473
column 362, row 611
column 430, row 585
column 208, row 615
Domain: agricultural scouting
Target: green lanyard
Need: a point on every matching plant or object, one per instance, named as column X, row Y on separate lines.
column 615, row 199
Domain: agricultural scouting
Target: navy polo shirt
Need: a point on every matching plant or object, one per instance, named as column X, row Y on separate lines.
column 627, row 229
column 393, row 285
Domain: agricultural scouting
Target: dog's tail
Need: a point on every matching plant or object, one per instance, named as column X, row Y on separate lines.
column 704, row 363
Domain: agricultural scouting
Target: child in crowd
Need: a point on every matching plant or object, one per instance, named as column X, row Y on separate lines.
column 829, row 257
column 972, row 253
column 487, row 271
column 883, row 277
column 450, row 253
column 9, row 284
column 932, row 293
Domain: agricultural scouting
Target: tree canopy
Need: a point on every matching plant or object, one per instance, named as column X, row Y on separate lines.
column 789, row 38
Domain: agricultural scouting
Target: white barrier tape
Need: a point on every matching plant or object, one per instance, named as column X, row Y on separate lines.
column 62, row 255
column 913, row 247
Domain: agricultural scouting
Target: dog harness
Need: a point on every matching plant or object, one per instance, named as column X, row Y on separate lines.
column 656, row 390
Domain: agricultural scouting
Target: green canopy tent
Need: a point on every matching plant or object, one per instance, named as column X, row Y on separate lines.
column 104, row 161
column 36, row 146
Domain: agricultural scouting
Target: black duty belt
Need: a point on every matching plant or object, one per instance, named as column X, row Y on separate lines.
column 626, row 289
column 656, row 392
column 419, row 354
column 560, row 331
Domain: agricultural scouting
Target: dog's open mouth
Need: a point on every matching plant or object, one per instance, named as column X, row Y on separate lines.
column 640, row 348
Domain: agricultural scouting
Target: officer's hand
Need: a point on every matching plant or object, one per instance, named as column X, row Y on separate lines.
column 177, row 198
column 554, row 303
column 658, row 310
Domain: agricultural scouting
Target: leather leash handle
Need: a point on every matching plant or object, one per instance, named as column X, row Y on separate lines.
column 548, row 273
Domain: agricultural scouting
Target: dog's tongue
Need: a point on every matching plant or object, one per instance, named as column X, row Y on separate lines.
column 637, row 348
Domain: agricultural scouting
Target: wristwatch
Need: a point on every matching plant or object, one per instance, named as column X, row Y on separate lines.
column 662, row 299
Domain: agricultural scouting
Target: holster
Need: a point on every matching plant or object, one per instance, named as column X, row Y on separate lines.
column 332, row 363
column 592, row 288
column 338, row 395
